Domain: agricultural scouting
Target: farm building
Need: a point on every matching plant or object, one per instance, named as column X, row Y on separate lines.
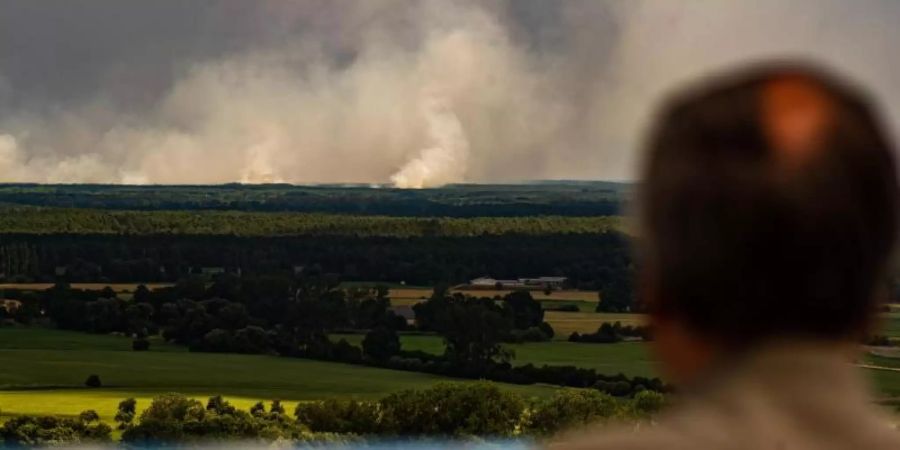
column 546, row 282
column 539, row 282
column 10, row 305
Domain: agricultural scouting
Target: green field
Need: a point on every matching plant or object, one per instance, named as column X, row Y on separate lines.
column 630, row 358
column 43, row 372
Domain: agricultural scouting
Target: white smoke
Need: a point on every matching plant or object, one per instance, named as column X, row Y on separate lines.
column 421, row 93
column 445, row 162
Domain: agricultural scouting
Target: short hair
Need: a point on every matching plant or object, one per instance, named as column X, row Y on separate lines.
column 744, row 245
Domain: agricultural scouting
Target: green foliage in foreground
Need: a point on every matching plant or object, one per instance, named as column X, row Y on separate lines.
column 456, row 410
column 43, row 221
column 31, row 431
column 446, row 410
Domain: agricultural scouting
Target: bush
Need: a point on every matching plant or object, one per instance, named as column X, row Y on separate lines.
column 126, row 412
column 533, row 334
column 610, row 333
column 93, row 381
column 258, row 409
column 339, row 416
column 164, row 421
column 175, row 419
column 252, row 339
column 569, row 408
column 30, row 431
column 140, row 344
column 381, row 343
column 452, row 409
column 648, row 403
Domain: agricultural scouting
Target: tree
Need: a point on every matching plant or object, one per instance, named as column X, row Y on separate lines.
column 140, row 344
column 89, row 416
column 164, row 420
column 569, row 408
column 141, row 294
column 381, row 343
column 139, row 318
column 472, row 330
column 452, row 409
column 125, row 413
column 258, row 409
column 525, row 310
column 617, row 294
column 219, row 405
column 252, row 339
column 93, row 381
column 107, row 292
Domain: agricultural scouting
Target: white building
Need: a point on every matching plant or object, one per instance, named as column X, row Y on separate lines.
column 539, row 282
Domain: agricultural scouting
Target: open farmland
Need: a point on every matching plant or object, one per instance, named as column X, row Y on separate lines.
column 629, row 358
column 43, row 372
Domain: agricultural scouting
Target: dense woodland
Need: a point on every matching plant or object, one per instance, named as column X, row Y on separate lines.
column 33, row 220
column 588, row 260
column 586, row 198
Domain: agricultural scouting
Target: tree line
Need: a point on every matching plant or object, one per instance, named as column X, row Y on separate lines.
column 590, row 261
column 564, row 199
column 35, row 220
column 446, row 410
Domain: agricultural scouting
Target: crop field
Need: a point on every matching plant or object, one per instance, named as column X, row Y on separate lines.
column 43, row 372
column 564, row 323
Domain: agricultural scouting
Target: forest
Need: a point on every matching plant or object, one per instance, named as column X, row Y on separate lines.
column 563, row 198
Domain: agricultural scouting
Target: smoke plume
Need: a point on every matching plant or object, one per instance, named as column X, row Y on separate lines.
column 447, row 160
column 415, row 92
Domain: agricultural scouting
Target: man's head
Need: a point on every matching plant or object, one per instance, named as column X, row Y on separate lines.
column 768, row 211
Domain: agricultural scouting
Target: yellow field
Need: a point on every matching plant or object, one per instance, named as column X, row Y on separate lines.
column 118, row 287
column 423, row 293
column 564, row 323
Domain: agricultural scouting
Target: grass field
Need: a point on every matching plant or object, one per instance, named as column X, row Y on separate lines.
column 43, row 371
column 631, row 358
column 890, row 324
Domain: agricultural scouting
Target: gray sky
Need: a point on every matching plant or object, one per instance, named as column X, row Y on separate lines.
column 418, row 92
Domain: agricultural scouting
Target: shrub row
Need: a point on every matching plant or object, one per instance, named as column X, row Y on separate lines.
column 446, row 410
column 569, row 376
column 610, row 333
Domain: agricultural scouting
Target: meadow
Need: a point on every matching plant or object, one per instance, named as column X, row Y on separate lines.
column 629, row 358
column 43, row 372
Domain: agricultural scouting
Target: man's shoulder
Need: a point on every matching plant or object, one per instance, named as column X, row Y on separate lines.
column 621, row 438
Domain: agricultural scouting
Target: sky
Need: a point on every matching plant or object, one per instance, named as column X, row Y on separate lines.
column 414, row 93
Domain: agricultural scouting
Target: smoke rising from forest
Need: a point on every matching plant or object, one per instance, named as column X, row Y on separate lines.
column 414, row 93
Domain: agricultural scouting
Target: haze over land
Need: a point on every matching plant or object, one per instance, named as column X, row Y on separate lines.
column 418, row 93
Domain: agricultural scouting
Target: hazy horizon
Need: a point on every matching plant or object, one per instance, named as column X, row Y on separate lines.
column 409, row 93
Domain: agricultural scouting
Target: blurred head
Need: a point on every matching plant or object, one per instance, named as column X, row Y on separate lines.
column 768, row 212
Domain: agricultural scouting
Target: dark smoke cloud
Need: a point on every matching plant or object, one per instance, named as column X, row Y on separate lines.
column 418, row 92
